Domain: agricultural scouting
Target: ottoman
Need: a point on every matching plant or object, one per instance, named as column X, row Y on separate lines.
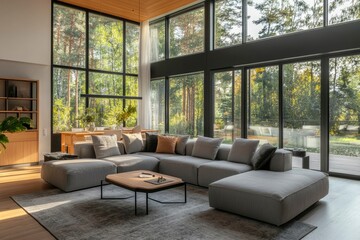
column 76, row 174
column 273, row 197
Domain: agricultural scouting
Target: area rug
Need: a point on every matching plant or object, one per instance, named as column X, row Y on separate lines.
column 83, row 215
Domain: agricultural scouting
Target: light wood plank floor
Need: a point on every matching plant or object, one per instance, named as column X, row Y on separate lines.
column 337, row 215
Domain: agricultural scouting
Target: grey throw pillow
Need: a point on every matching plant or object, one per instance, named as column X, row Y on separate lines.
column 133, row 142
column 243, row 150
column 262, row 157
column 181, row 144
column 206, row 147
column 105, row 145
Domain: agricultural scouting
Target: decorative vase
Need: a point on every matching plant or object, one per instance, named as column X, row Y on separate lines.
column 91, row 127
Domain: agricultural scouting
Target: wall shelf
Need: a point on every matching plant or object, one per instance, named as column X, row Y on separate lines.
column 14, row 94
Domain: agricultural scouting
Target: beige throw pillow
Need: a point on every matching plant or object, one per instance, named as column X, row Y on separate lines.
column 166, row 144
column 133, row 142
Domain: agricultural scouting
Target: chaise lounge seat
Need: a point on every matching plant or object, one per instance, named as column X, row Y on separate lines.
column 269, row 196
column 70, row 175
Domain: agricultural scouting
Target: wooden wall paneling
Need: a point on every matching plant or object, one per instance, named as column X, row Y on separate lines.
column 135, row 10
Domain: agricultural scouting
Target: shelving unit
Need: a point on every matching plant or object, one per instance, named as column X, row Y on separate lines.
column 19, row 98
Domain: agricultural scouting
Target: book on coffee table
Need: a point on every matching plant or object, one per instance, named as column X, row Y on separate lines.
column 156, row 182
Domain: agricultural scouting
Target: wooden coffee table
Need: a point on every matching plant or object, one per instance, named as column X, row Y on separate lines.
column 132, row 182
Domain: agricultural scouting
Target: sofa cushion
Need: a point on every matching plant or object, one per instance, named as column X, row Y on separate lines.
column 156, row 155
column 105, row 145
column 70, row 175
column 273, row 197
column 181, row 144
column 132, row 162
column 216, row 170
column 206, row 147
column 166, row 144
column 281, row 161
column 262, row 157
column 151, row 142
column 184, row 167
column 243, row 150
column 133, row 142
column 223, row 152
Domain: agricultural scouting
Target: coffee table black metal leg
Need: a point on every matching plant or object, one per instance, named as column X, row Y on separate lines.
column 185, row 193
column 147, row 203
column 135, row 203
column 185, row 198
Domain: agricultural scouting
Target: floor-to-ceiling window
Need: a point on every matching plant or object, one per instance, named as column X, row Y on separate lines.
column 95, row 64
column 263, row 104
column 344, row 108
column 157, row 96
column 186, row 104
column 301, row 104
column 281, row 51
column 227, row 106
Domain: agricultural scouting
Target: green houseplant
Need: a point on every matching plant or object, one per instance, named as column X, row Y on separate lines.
column 127, row 113
column 87, row 119
column 12, row 125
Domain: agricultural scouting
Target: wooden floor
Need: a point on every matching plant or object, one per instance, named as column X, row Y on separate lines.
column 337, row 216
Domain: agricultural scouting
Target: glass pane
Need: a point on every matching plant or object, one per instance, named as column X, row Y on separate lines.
column 132, row 88
column 186, row 104
column 69, row 36
column 277, row 17
column 158, row 105
column 345, row 115
column 237, row 103
column 132, row 121
column 301, row 89
column 67, row 103
column 224, row 122
column 105, row 84
column 263, row 105
column 343, row 10
column 228, row 22
column 105, row 43
column 157, row 41
column 106, row 110
column 187, row 33
column 132, row 48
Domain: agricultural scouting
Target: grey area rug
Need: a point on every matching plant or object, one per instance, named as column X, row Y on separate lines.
column 83, row 215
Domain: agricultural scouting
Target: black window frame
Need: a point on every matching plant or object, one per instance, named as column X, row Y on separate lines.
column 55, row 136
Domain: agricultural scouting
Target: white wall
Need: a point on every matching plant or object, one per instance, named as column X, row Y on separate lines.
column 25, row 52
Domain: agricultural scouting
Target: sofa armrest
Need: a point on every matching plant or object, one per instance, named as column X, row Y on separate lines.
column 281, row 161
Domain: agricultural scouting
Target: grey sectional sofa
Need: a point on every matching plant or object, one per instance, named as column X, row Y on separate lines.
column 274, row 196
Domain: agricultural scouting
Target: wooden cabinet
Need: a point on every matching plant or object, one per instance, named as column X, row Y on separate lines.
column 19, row 98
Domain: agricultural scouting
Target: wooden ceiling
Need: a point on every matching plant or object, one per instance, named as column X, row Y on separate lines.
column 136, row 10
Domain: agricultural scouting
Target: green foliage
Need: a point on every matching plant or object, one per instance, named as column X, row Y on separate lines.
column 88, row 116
column 126, row 114
column 12, row 125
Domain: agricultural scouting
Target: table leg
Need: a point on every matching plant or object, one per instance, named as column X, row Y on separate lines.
column 185, row 193
column 101, row 187
column 147, row 204
column 135, row 203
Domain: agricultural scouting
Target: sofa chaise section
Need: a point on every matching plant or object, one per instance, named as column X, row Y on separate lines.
column 269, row 196
column 70, row 175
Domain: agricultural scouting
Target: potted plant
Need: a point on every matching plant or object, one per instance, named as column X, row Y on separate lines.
column 87, row 119
column 127, row 113
column 12, row 125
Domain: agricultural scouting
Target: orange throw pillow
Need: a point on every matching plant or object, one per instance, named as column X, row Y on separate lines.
column 166, row 144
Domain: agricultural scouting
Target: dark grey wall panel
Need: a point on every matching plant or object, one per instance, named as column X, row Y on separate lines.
column 179, row 65
column 331, row 39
